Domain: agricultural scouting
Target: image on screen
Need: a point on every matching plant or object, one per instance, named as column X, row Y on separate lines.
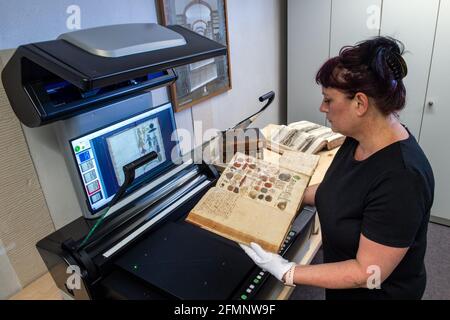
column 134, row 143
column 100, row 156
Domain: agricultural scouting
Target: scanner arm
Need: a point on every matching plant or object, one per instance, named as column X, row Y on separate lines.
column 270, row 96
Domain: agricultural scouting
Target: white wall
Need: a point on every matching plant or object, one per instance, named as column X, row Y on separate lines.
column 256, row 32
column 25, row 21
column 257, row 51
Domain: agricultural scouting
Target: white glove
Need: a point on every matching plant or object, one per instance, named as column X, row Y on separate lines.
column 273, row 263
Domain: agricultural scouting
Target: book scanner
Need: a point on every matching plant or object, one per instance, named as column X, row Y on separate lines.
column 133, row 185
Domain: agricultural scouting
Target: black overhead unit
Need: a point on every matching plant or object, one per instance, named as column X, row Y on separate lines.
column 54, row 80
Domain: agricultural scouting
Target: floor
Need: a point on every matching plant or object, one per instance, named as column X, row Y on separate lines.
column 437, row 262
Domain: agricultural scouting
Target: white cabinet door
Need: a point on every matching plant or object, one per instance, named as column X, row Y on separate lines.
column 353, row 21
column 434, row 137
column 414, row 23
column 308, row 49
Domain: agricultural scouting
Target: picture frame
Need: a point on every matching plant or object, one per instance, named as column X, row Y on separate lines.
column 202, row 80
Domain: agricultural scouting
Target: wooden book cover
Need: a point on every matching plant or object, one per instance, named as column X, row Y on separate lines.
column 255, row 200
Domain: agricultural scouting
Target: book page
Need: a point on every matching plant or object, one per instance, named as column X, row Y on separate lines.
column 256, row 200
column 241, row 219
column 217, row 203
column 299, row 162
column 266, row 183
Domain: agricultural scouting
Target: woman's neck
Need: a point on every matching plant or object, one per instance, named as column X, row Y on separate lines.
column 377, row 134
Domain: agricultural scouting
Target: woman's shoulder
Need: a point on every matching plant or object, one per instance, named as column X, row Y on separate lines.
column 404, row 155
column 413, row 158
column 405, row 164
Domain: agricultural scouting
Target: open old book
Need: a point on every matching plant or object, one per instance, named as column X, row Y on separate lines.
column 256, row 200
column 304, row 136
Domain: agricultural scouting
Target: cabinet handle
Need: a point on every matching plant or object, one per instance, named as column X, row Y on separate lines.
column 430, row 103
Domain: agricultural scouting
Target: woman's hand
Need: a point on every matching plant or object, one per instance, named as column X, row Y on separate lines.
column 310, row 195
column 273, row 263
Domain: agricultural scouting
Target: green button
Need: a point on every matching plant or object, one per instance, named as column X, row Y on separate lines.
column 256, row 281
column 244, row 297
column 77, row 149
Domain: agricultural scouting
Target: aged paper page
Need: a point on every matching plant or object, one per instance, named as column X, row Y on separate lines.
column 266, row 183
column 241, row 219
column 299, row 162
column 256, row 200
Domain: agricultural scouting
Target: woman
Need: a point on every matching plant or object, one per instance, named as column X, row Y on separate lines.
column 375, row 199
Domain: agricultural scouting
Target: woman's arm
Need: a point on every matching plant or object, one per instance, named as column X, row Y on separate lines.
column 372, row 259
column 310, row 195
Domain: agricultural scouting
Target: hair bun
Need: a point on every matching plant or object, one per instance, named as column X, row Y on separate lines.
column 384, row 56
column 397, row 64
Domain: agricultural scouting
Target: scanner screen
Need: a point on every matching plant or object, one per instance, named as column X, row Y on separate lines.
column 101, row 155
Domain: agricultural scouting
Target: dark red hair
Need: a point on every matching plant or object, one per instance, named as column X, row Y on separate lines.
column 374, row 67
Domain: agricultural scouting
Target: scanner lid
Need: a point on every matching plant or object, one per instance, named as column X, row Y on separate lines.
column 99, row 57
column 88, row 71
column 54, row 80
column 124, row 39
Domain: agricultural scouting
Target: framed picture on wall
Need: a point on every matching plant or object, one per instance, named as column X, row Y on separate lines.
column 208, row 78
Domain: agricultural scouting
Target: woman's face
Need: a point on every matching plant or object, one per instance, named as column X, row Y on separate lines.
column 339, row 111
